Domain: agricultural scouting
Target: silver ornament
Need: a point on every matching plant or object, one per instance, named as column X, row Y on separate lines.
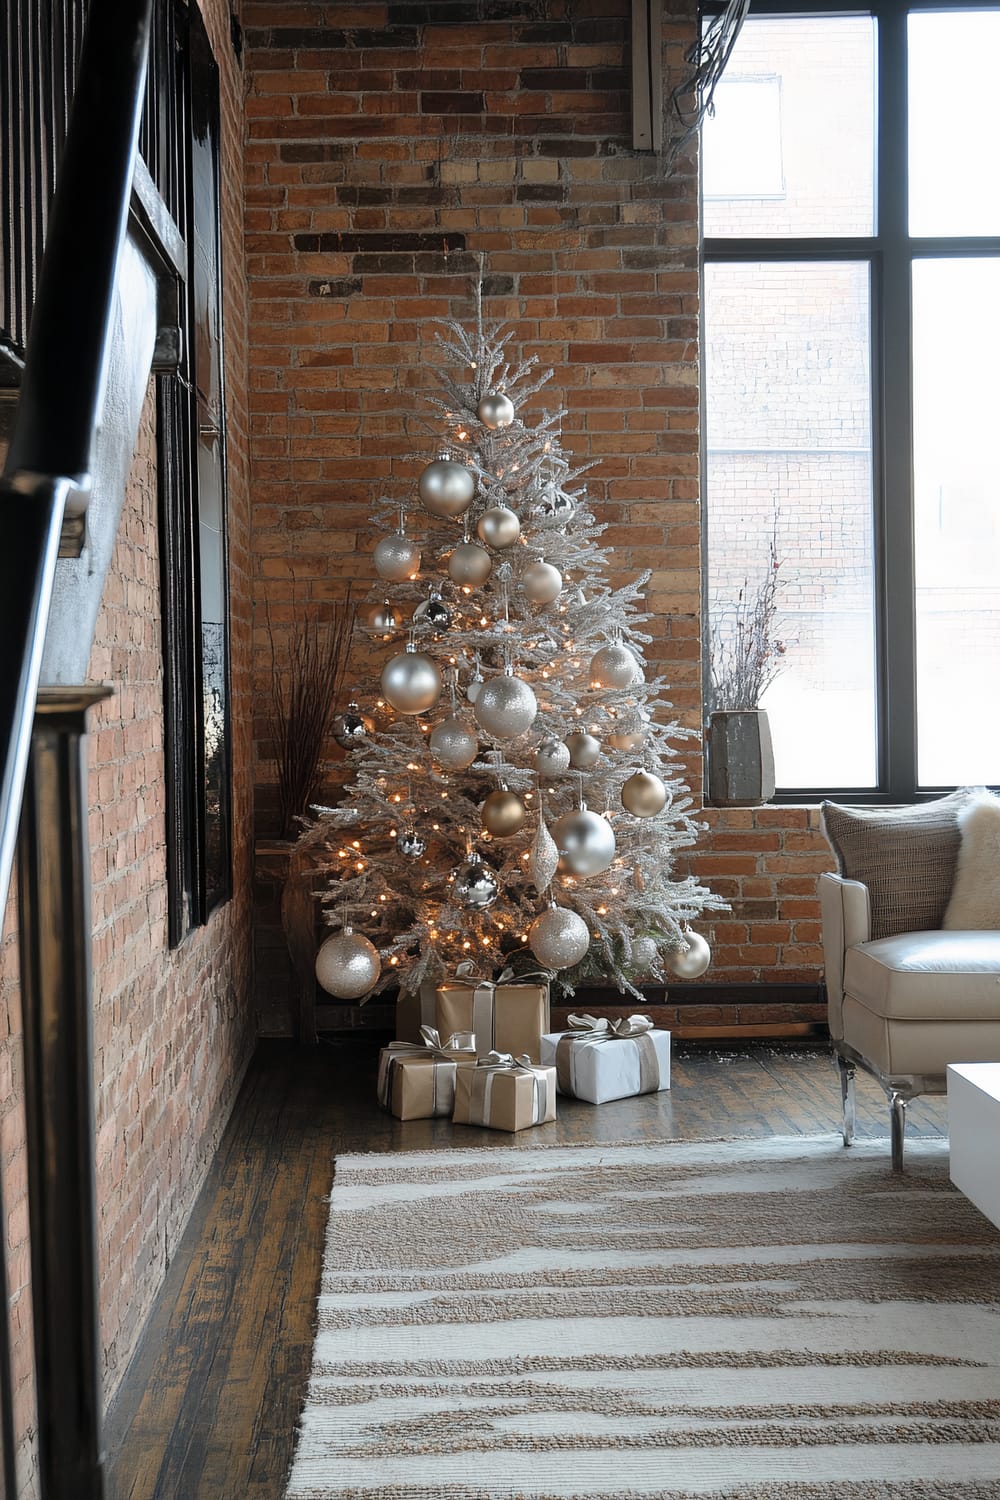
column 474, row 689
column 381, row 619
column 505, row 707
column 542, row 583
column 410, row 844
column 692, row 961
column 555, row 503
column 453, row 744
column 586, row 842
column 470, row 564
column 503, row 814
column 543, row 860
column 411, row 682
column 446, row 488
column 397, row 558
column 614, row 666
column 498, row 527
column 349, row 728
column 552, row 758
column 495, row 410
column 347, row 965
column 559, row 938
column 645, row 956
column 474, row 887
column 583, row 749
column 644, row 795
column 435, row 613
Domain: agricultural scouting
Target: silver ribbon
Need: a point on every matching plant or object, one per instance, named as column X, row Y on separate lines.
column 394, row 1053
column 495, row 1063
column 588, row 1030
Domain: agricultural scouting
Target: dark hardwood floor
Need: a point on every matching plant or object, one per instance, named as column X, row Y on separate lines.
column 209, row 1405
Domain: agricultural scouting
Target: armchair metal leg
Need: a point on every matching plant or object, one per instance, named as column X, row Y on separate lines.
column 897, row 1114
column 847, row 1072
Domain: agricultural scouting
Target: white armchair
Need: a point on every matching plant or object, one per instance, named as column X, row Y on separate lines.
column 902, row 1004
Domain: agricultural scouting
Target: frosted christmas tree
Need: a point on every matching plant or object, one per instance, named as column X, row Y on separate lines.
column 517, row 799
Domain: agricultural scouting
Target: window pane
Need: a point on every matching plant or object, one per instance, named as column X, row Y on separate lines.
column 956, row 398
column 788, row 418
column 791, row 147
column 954, row 122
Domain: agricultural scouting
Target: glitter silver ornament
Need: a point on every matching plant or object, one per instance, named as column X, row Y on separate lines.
column 614, row 666
column 474, row 887
column 453, row 744
column 349, row 728
column 380, row 619
column 542, row 583
column 446, row 488
column 543, row 860
column 435, row 613
column 552, row 758
column 470, row 564
column 503, row 814
column 498, row 527
column 645, row 956
column 559, row 938
column 410, row 844
column 692, row 961
column 495, row 410
column 411, row 682
column 644, row 795
column 397, row 558
column 347, row 965
column 586, row 842
column 583, row 749
column 505, row 707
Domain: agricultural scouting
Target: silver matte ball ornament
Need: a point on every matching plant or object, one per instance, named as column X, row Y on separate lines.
column 347, row 965
column 586, row 842
column 349, row 728
column 552, row 758
column 397, row 558
column 559, row 938
column 410, row 844
column 453, row 744
column 505, row 707
column 614, row 667
column 469, row 565
column 411, row 682
column 435, row 613
column 583, row 749
column 644, row 795
column 542, row 583
column 498, row 527
column 692, row 961
column 495, row 410
column 446, row 488
column 503, row 814
column 380, row 619
column 474, row 887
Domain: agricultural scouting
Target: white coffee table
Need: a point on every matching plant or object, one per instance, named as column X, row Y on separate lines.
column 974, row 1131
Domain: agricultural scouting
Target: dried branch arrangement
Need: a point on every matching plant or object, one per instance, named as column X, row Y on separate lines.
column 746, row 654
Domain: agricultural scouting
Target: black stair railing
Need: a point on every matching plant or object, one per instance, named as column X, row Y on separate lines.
column 45, row 484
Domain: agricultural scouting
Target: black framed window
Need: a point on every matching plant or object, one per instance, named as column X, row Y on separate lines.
column 851, row 219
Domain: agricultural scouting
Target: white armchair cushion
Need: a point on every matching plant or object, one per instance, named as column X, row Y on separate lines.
column 932, row 976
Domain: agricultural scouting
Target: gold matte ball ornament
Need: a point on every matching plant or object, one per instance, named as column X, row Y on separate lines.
column 469, row 565
column 644, row 795
column 495, row 410
column 503, row 814
column 498, row 527
column 627, row 739
column 583, row 750
column 542, row 583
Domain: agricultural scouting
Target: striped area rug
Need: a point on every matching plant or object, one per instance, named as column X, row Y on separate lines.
column 779, row 1320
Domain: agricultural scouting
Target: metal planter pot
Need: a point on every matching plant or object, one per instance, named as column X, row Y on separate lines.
column 740, row 758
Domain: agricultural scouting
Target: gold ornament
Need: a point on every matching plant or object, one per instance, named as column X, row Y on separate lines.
column 503, row 814
column 495, row 410
column 583, row 750
column 470, row 564
column 644, row 795
column 498, row 527
column 692, row 960
column 542, row 583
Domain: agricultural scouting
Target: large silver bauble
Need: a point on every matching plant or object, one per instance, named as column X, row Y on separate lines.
column 349, row 728
column 411, row 682
column 503, row 814
column 453, row 744
column 470, row 564
column 644, row 795
column 614, row 666
column 505, row 707
column 692, row 961
column 446, row 488
column 498, row 527
column 396, row 558
column 410, row 844
column 495, row 410
column 583, row 750
column 435, row 613
column 475, row 887
column 381, row 619
column 586, row 842
column 542, row 583
column 559, row 938
column 552, row 758
column 347, row 965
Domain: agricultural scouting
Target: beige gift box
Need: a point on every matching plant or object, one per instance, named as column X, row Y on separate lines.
column 503, row 1017
column 504, row 1094
column 415, row 1009
column 417, row 1082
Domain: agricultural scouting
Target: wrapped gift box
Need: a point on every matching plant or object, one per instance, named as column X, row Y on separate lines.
column 503, row 1017
column 416, row 1081
column 600, row 1060
column 415, row 1009
column 504, row 1094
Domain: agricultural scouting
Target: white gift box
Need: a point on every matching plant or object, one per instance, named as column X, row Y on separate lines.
column 600, row 1060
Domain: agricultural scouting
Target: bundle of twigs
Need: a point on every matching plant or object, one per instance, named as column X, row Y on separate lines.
column 746, row 654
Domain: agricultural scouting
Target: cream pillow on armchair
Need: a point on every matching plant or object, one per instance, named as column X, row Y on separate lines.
column 975, row 893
